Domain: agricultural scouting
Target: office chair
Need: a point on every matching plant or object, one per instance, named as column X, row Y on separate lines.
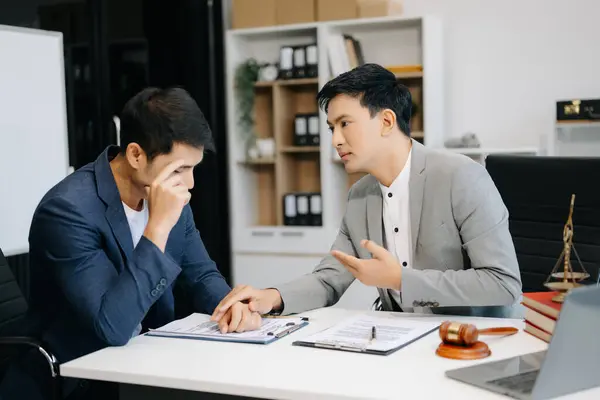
column 537, row 192
column 18, row 329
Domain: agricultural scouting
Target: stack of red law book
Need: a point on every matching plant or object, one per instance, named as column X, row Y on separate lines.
column 541, row 314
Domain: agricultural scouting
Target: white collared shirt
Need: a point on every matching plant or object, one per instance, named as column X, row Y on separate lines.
column 396, row 219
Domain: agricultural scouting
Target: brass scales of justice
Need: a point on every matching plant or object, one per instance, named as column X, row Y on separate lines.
column 566, row 279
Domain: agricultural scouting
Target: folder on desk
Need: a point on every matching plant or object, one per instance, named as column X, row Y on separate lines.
column 355, row 334
column 200, row 327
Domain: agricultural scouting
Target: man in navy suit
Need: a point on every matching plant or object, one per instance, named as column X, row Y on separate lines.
column 108, row 242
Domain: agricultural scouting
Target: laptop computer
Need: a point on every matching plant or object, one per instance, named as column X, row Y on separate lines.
column 568, row 365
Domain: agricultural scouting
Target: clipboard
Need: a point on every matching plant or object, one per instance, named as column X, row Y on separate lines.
column 416, row 329
column 199, row 327
column 342, row 346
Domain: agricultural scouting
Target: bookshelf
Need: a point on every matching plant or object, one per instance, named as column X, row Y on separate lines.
column 258, row 185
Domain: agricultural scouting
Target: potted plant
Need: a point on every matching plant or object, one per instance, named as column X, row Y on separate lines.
column 246, row 76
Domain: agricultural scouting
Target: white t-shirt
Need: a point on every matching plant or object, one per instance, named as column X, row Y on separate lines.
column 137, row 224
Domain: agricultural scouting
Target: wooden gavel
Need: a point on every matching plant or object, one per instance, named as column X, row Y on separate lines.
column 467, row 334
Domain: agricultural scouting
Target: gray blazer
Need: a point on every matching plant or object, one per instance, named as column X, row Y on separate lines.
column 464, row 261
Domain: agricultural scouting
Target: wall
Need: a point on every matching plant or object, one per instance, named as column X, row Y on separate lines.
column 508, row 61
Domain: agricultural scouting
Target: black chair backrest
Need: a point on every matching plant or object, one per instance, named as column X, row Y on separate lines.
column 13, row 305
column 537, row 192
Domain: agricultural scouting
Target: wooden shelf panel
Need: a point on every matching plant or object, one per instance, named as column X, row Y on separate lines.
column 287, row 82
column 300, row 149
column 300, row 173
column 266, row 208
column 263, row 113
column 409, row 75
column 259, row 161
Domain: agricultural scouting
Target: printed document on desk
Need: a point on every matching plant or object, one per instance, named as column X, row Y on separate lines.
column 200, row 327
column 355, row 334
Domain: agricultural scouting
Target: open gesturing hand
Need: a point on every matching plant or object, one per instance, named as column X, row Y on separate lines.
column 383, row 270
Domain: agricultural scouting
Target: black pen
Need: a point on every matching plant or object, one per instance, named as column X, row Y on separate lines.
column 373, row 333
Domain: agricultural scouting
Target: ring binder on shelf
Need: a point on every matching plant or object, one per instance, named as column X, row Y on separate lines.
column 312, row 61
column 299, row 62
column 302, row 208
column 286, row 62
column 301, row 132
column 290, row 215
column 313, row 129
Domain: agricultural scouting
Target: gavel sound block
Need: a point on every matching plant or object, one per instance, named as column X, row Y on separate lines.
column 460, row 341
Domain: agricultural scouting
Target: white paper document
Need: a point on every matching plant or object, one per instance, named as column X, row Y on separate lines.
column 355, row 334
column 199, row 326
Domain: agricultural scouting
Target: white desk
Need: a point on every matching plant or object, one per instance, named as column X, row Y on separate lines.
column 283, row 371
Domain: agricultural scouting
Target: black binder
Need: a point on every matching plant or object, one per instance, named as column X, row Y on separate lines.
column 290, row 215
column 314, row 137
column 301, row 136
column 302, row 208
column 286, row 62
column 299, row 62
column 315, row 209
column 312, row 61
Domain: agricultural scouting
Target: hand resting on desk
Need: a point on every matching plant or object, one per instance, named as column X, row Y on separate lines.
column 258, row 301
column 239, row 318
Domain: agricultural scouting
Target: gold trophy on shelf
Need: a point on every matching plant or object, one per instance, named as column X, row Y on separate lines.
column 566, row 279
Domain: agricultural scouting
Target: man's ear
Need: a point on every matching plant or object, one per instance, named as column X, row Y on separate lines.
column 388, row 121
column 135, row 155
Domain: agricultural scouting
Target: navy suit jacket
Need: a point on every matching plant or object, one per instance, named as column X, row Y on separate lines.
column 90, row 285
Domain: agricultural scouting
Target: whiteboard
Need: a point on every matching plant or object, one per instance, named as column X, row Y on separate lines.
column 34, row 153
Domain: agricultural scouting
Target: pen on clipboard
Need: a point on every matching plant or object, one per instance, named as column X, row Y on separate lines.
column 373, row 334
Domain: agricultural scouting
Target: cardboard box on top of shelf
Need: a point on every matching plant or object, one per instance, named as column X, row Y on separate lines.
column 328, row 10
column 296, row 11
column 253, row 13
column 379, row 8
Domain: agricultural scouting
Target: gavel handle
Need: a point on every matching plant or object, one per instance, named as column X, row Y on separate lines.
column 498, row 331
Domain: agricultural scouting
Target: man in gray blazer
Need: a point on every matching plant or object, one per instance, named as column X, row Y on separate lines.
column 427, row 227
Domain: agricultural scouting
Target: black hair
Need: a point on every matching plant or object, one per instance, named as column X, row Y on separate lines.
column 156, row 118
column 376, row 87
